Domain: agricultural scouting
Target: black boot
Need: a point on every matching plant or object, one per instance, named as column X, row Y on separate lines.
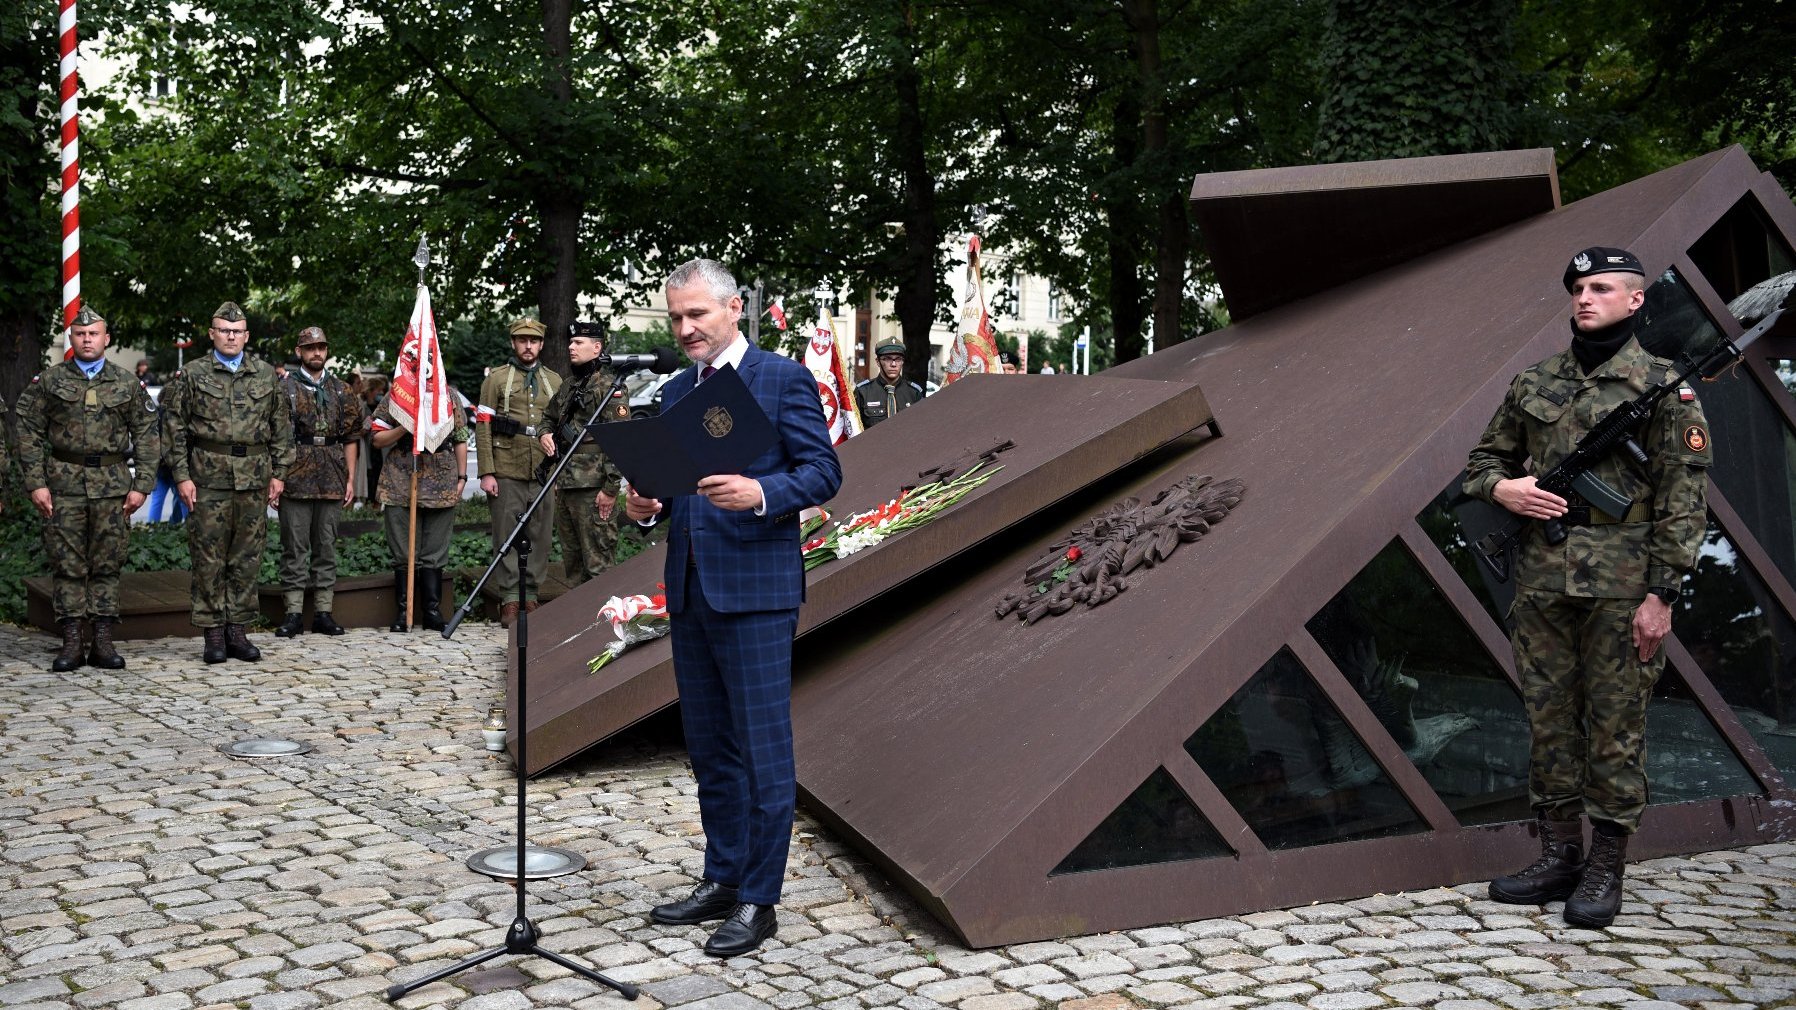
column 237, row 644
column 70, row 656
column 1554, row 875
column 399, row 602
column 1598, row 897
column 103, row 655
column 215, row 645
column 291, row 626
column 324, row 624
column 430, row 598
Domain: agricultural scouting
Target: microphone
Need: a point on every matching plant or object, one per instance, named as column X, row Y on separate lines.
column 661, row 361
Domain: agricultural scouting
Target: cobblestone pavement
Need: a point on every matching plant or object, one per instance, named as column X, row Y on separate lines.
column 140, row 868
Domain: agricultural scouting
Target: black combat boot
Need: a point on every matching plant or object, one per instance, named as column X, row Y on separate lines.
column 103, row 655
column 237, row 644
column 291, row 626
column 430, row 598
column 215, row 645
column 70, row 656
column 324, row 624
column 1598, row 897
column 1554, row 875
column 399, row 602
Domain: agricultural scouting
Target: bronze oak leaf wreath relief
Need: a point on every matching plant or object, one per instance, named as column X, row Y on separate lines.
column 1092, row 564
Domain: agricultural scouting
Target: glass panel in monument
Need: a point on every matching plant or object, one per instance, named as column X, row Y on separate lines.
column 1158, row 823
column 1744, row 642
column 1291, row 765
column 1686, row 756
column 1455, row 522
column 1741, row 251
column 1786, row 372
column 1754, row 451
column 1432, row 685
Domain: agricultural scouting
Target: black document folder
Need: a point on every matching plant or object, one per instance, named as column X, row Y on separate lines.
column 716, row 428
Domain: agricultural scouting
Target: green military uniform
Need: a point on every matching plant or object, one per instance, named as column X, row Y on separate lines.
column 439, row 491
column 326, row 417
column 877, row 401
column 78, row 438
column 513, row 400
column 588, row 542
column 230, row 433
column 1584, row 684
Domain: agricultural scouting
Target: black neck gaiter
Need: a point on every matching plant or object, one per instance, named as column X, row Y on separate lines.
column 1598, row 346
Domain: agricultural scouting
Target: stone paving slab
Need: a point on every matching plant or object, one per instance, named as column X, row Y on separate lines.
column 142, row 869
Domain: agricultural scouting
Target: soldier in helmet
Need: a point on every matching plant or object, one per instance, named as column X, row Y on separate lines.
column 230, row 444
column 327, row 425
column 80, row 424
column 508, row 423
column 889, row 392
column 584, row 503
column 1590, row 612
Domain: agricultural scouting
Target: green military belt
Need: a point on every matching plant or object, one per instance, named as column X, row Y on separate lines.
column 232, row 448
column 88, row 459
column 1585, row 515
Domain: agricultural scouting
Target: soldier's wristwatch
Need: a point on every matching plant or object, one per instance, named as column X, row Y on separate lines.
column 1666, row 594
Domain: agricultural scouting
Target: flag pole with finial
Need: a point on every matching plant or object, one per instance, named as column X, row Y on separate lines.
column 422, row 259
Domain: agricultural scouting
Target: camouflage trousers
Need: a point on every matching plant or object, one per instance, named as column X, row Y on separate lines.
column 85, row 541
column 588, row 543
column 1587, row 692
column 226, row 535
column 514, row 496
column 435, row 527
column 309, row 552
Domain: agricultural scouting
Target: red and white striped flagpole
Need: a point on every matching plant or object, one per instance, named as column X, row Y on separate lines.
column 71, row 176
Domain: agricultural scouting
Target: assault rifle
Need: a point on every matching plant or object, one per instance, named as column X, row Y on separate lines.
column 1615, row 431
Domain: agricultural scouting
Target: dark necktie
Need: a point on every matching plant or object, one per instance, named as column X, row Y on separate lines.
column 706, row 373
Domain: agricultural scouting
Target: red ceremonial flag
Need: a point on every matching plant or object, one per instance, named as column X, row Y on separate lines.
column 420, row 392
column 778, row 314
column 975, row 347
column 823, row 356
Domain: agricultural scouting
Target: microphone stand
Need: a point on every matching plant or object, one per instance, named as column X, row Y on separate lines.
column 523, row 936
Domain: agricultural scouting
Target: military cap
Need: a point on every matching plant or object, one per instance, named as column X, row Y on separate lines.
column 528, row 328
column 87, row 316
column 309, row 336
column 1602, row 260
column 889, row 347
column 1007, row 357
column 230, row 312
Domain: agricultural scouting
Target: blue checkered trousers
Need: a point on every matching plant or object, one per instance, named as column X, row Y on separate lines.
column 734, row 582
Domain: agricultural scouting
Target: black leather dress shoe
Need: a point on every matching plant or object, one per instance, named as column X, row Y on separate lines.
column 291, row 626
column 324, row 624
column 742, row 931
column 709, row 900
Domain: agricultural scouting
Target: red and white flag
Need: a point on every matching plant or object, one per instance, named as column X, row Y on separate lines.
column 778, row 314
column 823, row 356
column 975, row 348
column 420, row 394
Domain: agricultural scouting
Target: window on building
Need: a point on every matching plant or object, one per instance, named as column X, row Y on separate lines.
column 1053, row 303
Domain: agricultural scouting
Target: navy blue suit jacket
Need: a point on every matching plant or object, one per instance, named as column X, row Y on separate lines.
column 747, row 562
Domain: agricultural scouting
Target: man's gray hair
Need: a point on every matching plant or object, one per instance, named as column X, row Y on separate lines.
column 716, row 278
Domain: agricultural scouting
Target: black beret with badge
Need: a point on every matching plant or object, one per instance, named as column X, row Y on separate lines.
column 1602, row 260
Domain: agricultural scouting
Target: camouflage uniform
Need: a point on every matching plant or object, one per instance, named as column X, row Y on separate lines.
column 231, row 434
column 1571, row 626
column 508, row 449
column 326, row 417
column 438, row 491
column 77, row 437
column 588, row 543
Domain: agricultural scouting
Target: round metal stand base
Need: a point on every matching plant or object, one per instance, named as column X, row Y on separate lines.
column 265, row 747
column 540, row 863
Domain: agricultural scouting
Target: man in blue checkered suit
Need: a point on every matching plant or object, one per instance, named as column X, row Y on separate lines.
column 735, row 579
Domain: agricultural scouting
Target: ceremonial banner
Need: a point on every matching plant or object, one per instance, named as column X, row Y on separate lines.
column 975, row 347
column 823, row 356
column 420, row 393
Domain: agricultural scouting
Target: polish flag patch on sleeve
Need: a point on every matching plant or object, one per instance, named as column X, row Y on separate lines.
column 1686, row 394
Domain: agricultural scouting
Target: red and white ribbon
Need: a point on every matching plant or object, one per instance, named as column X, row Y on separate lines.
column 71, row 176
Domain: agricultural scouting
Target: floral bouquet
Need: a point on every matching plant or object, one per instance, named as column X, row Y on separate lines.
column 634, row 619
column 909, row 510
